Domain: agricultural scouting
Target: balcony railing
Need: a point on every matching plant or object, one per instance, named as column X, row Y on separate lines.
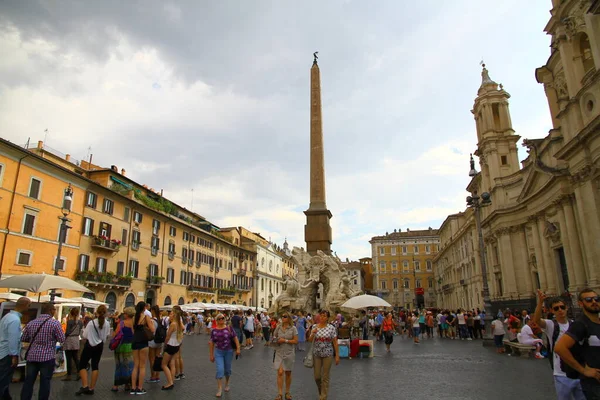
column 154, row 251
column 201, row 289
column 241, row 271
column 103, row 279
column 154, row 281
column 242, row 289
column 106, row 244
column 227, row 292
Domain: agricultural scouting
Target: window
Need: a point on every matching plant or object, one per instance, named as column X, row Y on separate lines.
column 88, row 226
column 417, row 266
column 108, row 206
column 28, row 223
column 1, row 173
column 101, row 265
column 394, row 265
column 192, row 238
column 136, row 239
column 130, row 300
column 120, row 268
column 84, row 262
column 172, row 250
column 416, row 249
column 395, row 283
column 111, row 300
column 170, row 275
column 134, row 266
column 184, row 254
column 34, row 188
column 153, row 270
column 382, row 251
column 427, row 249
column 62, row 233
column 382, row 266
column 186, row 236
column 172, row 231
column 126, row 212
column 24, row 257
column 191, row 256
column 155, row 226
column 430, row 283
column 182, row 277
column 154, row 245
column 105, row 229
column 383, row 284
column 124, row 237
column 429, row 265
column 406, row 283
column 404, row 250
column 503, row 160
column 91, row 199
column 62, row 264
column 137, row 217
column 168, row 301
column 262, row 285
column 418, row 283
column 405, row 265
column 394, row 250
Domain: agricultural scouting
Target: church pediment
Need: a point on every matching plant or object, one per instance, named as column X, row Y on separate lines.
column 534, row 183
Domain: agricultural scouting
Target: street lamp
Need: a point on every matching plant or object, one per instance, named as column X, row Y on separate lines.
column 62, row 235
column 476, row 202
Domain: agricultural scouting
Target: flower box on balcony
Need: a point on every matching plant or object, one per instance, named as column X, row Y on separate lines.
column 104, row 243
column 154, row 280
column 203, row 289
column 103, row 279
column 227, row 292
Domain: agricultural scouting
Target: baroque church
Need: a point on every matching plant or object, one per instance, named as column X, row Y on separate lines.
column 542, row 228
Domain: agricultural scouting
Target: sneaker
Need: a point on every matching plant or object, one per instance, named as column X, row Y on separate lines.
column 152, row 380
column 469, row 339
column 133, row 391
column 89, row 392
column 251, row 346
column 181, row 376
column 538, row 355
column 140, row 391
column 177, row 377
column 80, row 391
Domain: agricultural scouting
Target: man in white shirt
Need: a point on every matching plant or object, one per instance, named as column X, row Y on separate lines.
column 147, row 310
column 462, row 324
column 566, row 388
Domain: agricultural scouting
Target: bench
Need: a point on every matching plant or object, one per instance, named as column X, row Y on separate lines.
column 524, row 350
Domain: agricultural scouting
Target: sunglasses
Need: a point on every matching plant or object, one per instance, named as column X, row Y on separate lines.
column 285, row 316
column 220, row 319
column 556, row 308
column 590, row 299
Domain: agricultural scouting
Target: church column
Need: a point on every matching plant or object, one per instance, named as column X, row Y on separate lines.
column 570, row 239
column 549, row 265
column 506, row 263
column 524, row 261
column 537, row 248
column 590, row 230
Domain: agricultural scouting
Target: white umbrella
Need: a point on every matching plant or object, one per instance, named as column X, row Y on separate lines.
column 365, row 301
column 10, row 296
column 38, row 283
column 87, row 302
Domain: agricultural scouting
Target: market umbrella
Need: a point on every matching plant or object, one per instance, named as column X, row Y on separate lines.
column 365, row 301
column 86, row 302
column 10, row 296
column 38, row 283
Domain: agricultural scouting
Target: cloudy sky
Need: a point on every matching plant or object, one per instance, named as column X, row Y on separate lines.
column 214, row 97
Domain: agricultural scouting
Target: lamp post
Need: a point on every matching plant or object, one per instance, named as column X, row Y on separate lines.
column 476, row 202
column 65, row 209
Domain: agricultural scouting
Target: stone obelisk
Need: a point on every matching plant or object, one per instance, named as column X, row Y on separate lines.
column 317, row 231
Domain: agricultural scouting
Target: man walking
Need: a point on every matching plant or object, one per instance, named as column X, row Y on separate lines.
column 566, row 388
column 10, row 345
column 42, row 334
column 585, row 330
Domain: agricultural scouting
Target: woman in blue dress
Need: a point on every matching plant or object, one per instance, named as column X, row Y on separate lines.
column 301, row 327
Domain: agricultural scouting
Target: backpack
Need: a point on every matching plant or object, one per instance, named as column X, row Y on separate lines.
column 161, row 332
column 551, row 345
column 578, row 352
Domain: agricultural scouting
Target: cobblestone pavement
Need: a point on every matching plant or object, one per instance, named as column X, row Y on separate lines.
column 435, row 369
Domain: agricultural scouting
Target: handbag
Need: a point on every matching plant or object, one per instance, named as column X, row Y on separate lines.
column 308, row 359
column 148, row 334
column 116, row 340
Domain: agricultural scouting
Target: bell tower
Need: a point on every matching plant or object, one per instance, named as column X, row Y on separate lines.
column 496, row 139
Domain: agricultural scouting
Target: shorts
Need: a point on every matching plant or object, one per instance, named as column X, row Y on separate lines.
column 416, row 331
column 171, row 350
column 248, row 334
column 139, row 345
column 498, row 341
column 91, row 353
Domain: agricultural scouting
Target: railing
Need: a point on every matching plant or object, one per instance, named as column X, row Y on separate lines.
column 103, row 279
column 241, row 271
column 154, row 280
column 227, row 292
column 203, row 289
column 242, row 288
column 106, row 244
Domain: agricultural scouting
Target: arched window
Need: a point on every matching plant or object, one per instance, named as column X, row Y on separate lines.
column 204, row 300
column 406, row 283
column 168, row 301
column 418, row 283
column 130, row 300
column 225, row 302
column 244, row 303
column 91, row 296
column 212, row 302
column 233, row 302
column 195, row 300
column 181, row 301
column 111, row 300
column 395, row 283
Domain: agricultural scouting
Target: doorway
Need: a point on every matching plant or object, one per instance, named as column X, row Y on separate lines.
column 563, row 272
column 150, row 297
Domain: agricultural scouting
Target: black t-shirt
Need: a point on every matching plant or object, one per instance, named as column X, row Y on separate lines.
column 235, row 321
column 449, row 319
column 578, row 330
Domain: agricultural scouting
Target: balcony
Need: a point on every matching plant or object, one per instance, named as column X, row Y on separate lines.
column 154, row 281
column 106, row 280
column 171, row 255
column 227, row 292
column 241, row 271
column 242, row 289
column 201, row 289
column 105, row 244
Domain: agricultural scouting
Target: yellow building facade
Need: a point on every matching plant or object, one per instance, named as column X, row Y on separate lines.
column 127, row 243
column 542, row 226
column 402, row 267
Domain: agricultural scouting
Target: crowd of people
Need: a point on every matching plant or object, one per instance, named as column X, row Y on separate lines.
column 144, row 337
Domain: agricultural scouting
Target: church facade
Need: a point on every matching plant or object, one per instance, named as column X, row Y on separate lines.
column 542, row 227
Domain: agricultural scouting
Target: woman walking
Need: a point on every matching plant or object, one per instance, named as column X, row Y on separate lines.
column 301, row 328
column 140, row 348
column 172, row 346
column 123, row 352
column 416, row 327
column 221, row 351
column 249, row 329
column 286, row 337
column 95, row 332
column 154, row 349
column 325, row 345
column 71, row 345
column 387, row 330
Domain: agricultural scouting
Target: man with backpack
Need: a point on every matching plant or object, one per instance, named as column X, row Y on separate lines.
column 579, row 347
column 554, row 330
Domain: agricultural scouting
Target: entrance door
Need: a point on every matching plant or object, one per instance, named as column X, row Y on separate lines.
column 150, row 297
column 563, row 273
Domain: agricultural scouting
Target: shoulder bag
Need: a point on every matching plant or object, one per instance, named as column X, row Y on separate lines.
column 148, row 334
column 35, row 335
column 308, row 359
column 116, row 340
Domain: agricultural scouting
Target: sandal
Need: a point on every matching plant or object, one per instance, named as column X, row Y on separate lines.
column 227, row 388
column 288, row 396
column 218, row 393
column 278, row 397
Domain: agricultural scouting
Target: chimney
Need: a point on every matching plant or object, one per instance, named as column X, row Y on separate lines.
column 123, row 171
column 114, row 168
column 68, row 157
column 40, row 144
